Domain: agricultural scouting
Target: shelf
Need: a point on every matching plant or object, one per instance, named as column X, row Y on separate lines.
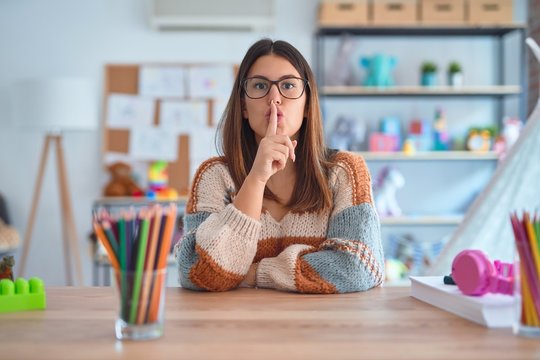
column 135, row 201
column 428, row 155
column 402, row 30
column 501, row 90
column 422, row 220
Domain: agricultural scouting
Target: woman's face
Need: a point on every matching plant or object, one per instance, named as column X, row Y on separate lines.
column 290, row 112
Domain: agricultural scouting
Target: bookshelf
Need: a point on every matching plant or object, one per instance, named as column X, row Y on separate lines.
column 440, row 185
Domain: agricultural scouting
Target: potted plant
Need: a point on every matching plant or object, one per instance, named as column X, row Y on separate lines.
column 428, row 73
column 455, row 75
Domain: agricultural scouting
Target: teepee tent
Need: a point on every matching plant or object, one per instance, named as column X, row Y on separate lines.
column 515, row 186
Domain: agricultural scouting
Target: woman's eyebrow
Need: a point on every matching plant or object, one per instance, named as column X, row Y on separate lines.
column 280, row 78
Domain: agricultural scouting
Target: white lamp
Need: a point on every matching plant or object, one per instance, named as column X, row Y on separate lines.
column 54, row 106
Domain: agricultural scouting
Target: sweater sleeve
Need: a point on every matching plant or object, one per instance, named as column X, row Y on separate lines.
column 351, row 258
column 220, row 241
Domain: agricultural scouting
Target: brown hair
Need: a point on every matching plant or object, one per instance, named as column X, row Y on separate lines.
column 236, row 139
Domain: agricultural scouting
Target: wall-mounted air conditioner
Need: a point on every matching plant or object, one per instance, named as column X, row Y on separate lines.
column 239, row 15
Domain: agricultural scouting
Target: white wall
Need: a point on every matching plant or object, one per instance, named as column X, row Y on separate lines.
column 77, row 38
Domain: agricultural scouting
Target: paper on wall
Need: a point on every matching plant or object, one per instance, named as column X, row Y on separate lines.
column 153, row 143
column 128, row 111
column 160, row 81
column 181, row 116
column 211, row 81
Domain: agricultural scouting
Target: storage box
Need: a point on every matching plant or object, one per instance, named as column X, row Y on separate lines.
column 490, row 12
column 343, row 13
column 442, row 12
column 395, row 12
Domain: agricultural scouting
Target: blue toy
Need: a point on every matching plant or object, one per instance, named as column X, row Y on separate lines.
column 379, row 70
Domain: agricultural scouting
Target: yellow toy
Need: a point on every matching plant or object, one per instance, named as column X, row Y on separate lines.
column 479, row 140
column 158, row 180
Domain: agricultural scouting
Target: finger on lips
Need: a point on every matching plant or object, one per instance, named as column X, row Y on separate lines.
column 271, row 130
column 272, row 122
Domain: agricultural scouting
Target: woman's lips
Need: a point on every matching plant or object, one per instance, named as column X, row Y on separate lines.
column 279, row 115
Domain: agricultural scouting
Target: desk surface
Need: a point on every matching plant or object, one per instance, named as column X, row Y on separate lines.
column 258, row 324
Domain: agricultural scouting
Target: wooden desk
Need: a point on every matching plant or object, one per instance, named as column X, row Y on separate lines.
column 258, row 324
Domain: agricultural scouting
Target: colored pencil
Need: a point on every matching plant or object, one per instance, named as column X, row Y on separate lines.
column 162, row 262
column 149, row 266
column 141, row 254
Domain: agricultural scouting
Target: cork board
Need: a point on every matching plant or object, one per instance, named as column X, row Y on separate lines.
column 124, row 79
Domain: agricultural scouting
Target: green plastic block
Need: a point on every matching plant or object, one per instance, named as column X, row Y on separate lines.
column 22, row 295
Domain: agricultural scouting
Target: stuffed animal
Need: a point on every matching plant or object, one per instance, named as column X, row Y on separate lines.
column 508, row 137
column 388, row 182
column 6, row 267
column 379, row 70
column 9, row 237
column 121, row 183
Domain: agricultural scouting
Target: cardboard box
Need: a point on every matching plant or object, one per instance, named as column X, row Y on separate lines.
column 395, row 12
column 343, row 13
column 442, row 12
column 490, row 12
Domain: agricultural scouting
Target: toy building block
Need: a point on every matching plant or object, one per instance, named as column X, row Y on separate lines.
column 20, row 295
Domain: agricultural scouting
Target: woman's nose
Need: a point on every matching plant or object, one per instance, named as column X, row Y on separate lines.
column 274, row 94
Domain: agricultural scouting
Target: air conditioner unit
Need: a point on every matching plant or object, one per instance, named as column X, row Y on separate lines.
column 238, row 15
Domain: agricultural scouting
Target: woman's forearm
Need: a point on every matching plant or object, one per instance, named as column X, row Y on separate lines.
column 250, row 197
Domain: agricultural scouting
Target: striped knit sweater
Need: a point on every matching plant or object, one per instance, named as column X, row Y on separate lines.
column 334, row 251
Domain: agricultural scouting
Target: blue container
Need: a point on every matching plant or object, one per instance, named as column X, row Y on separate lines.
column 429, row 79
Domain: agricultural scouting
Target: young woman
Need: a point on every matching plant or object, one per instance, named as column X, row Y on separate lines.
column 279, row 210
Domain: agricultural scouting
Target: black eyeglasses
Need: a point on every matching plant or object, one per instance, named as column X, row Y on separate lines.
column 290, row 87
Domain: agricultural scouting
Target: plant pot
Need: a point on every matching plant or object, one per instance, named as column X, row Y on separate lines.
column 429, row 79
column 455, row 79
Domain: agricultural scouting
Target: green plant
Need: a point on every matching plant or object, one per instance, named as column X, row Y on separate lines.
column 454, row 67
column 429, row 67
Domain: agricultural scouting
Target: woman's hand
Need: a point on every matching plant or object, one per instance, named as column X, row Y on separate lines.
column 251, row 277
column 273, row 151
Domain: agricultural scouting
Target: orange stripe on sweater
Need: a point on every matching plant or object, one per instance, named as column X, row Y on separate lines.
column 359, row 176
column 307, row 280
column 272, row 247
column 209, row 275
column 191, row 206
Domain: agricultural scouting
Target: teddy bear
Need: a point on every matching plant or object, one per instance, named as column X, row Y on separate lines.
column 6, row 267
column 9, row 237
column 121, row 183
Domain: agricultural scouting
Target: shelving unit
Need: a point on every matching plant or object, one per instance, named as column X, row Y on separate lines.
column 428, row 155
column 427, row 167
column 432, row 220
column 498, row 91
column 502, row 90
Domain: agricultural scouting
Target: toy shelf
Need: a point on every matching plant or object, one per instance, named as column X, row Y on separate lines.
column 497, row 90
column 428, row 155
column 427, row 220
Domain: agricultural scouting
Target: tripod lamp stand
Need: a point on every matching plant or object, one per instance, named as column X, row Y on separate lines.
column 55, row 107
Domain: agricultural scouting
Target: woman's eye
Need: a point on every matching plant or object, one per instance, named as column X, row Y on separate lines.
column 260, row 86
column 287, row 85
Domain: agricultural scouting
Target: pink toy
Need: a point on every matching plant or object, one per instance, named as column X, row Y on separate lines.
column 474, row 274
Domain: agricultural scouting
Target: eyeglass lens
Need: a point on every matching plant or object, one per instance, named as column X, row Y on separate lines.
column 291, row 88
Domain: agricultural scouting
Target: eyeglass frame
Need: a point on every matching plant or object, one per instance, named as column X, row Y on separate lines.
column 274, row 82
